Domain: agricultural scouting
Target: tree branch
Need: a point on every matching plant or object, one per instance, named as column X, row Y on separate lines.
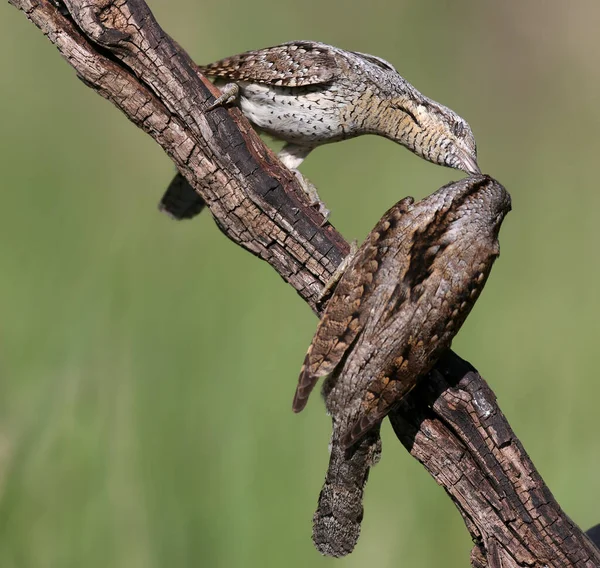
column 451, row 423
column 122, row 53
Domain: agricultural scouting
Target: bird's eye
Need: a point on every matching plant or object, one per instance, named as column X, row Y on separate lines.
column 458, row 129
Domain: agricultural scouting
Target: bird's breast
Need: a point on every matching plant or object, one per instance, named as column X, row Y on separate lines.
column 301, row 115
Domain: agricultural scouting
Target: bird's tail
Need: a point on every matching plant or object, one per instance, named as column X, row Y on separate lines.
column 181, row 201
column 336, row 523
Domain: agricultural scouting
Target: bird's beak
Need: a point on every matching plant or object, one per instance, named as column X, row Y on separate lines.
column 469, row 165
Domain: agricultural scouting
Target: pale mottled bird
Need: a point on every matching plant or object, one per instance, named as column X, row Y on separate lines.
column 307, row 94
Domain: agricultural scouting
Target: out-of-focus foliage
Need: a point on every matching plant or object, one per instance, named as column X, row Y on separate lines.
column 147, row 367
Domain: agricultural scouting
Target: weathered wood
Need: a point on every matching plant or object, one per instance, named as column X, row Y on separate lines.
column 118, row 49
column 451, row 423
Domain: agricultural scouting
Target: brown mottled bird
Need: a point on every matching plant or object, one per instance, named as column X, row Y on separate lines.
column 308, row 94
column 408, row 288
column 395, row 310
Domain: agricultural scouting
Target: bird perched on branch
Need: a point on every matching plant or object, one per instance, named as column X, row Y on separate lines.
column 395, row 310
column 307, row 94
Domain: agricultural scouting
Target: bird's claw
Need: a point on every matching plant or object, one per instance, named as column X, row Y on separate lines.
column 229, row 94
column 322, row 210
column 311, row 191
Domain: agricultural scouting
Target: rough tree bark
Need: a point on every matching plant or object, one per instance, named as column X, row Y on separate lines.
column 451, row 422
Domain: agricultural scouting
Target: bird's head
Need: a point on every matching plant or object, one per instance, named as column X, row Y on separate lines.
column 434, row 132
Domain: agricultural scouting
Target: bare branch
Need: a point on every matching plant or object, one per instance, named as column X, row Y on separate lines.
column 452, row 424
column 255, row 200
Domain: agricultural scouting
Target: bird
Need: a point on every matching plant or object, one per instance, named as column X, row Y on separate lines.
column 404, row 296
column 307, row 94
column 398, row 305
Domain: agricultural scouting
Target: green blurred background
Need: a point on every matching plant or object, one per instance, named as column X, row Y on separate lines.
column 145, row 404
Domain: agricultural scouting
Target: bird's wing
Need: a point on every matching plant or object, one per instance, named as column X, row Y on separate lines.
column 417, row 355
column 294, row 64
column 348, row 308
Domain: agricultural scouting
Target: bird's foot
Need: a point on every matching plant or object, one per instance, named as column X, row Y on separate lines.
column 311, row 191
column 229, row 94
column 339, row 271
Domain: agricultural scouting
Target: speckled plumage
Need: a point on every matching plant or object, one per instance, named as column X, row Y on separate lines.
column 308, row 94
column 294, row 64
column 397, row 307
column 409, row 287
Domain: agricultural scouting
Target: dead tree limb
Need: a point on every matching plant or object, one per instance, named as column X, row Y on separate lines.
column 451, row 423
column 454, row 427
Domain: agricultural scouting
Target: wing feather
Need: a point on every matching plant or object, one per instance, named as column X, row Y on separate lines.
column 379, row 400
column 347, row 310
column 294, row 64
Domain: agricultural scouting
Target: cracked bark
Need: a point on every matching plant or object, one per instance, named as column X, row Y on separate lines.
column 451, row 422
